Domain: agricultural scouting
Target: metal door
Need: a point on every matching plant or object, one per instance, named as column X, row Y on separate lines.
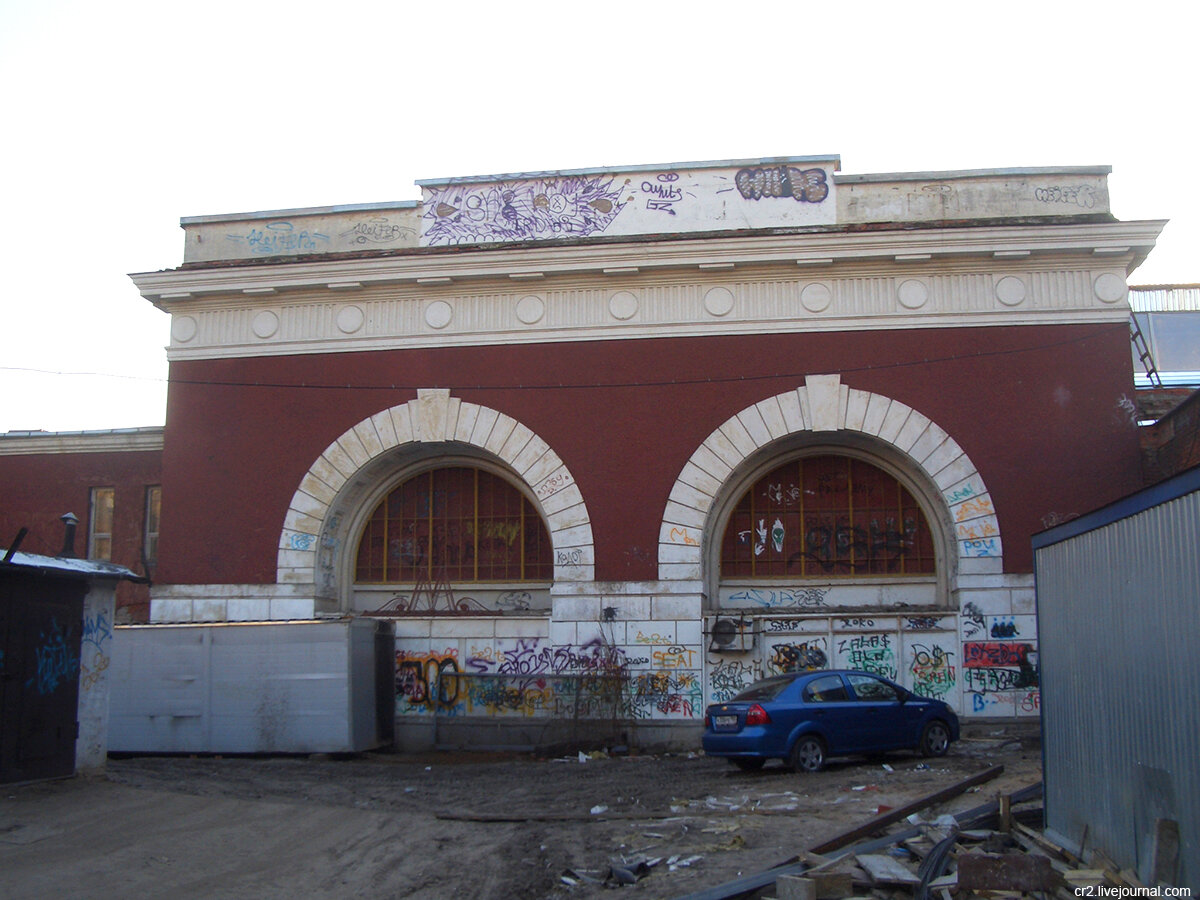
column 41, row 625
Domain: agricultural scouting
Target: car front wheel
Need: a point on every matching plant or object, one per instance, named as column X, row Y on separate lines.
column 935, row 739
column 808, row 755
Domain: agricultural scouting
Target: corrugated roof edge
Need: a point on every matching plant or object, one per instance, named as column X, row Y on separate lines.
column 1164, row 492
column 834, row 158
column 302, row 211
column 71, row 567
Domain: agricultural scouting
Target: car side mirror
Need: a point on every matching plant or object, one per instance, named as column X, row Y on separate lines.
column 904, row 695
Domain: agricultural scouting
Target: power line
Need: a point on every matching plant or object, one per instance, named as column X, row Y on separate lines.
column 680, row 382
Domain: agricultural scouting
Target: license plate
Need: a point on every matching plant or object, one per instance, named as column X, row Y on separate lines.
column 725, row 721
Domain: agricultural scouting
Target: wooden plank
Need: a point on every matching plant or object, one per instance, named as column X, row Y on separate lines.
column 886, row 870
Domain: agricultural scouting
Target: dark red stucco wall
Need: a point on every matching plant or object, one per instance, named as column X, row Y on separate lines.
column 36, row 489
column 1037, row 408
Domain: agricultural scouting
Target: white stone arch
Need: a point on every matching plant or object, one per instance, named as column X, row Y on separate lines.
column 312, row 540
column 824, row 404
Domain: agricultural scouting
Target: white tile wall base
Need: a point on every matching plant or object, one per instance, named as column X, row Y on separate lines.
column 181, row 603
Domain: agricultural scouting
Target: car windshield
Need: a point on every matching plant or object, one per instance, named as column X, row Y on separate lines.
column 765, row 690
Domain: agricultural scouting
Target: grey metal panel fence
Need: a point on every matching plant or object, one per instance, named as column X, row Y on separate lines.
column 1119, row 625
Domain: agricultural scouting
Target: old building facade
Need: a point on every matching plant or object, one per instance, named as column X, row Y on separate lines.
column 668, row 429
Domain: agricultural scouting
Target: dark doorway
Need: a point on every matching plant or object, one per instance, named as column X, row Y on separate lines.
column 41, row 625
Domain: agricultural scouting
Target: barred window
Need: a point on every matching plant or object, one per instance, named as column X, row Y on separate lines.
column 826, row 516
column 455, row 524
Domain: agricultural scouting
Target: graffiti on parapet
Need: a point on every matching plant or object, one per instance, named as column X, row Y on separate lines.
column 663, row 193
column 802, row 185
column 377, row 230
column 973, row 623
column 281, row 237
column 783, row 597
column 1082, row 195
column 57, row 662
column 560, row 206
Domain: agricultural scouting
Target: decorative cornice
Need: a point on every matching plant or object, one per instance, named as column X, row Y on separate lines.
column 120, row 441
column 842, row 246
column 768, row 283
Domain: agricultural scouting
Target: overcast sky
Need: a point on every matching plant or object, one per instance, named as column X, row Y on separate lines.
column 118, row 118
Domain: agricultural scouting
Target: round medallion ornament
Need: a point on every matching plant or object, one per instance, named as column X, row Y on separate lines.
column 531, row 309
column 1110, row 288
column 438, row 314
column 816, row 297
column 350, row 319
column 183, row 328
column 623, row 305
column 912, row 294
column 718, row 301
column 1010, row 290
column 265, row 324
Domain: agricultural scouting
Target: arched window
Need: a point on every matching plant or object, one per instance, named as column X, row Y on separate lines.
column 455, row 524
column 823, row 517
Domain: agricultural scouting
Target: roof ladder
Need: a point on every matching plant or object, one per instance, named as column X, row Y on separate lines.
column 1143, row 351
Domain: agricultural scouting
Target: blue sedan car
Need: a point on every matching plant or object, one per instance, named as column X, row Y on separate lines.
column 804, row 718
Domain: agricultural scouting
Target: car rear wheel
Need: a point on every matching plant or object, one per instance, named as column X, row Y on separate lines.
column 935, row 739
column 749, row 765
column 808, row 754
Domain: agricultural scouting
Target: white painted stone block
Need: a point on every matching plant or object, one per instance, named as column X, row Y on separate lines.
column 453, row 407
column 403, row 423
column 652, row 632
column 711, row 463
column 371, row 442
column 627, row 607
column 576, row 609
column 484, row 422
column 687, row 495
column 772, row 417
column 668, row 607
column 689, row 631
column 697, row 478
column 981, row 565
column 285, row 608
column 793, row 416
column 352, row 446
column 562, row 633
column 413, row 628
column 170, row 610
column 913, row 428
column 825, row 401
column 987, row 603
column 679, row 571
column 464, row 425
column 958, row 470
column 897, row 415
column 337, row 458
column 543, row 468
column 678, row 553
column 877, row 409
column 248, row 609
column 515, row 443
column 534, row 450
column 723, row 449
column 688, row 516
column 474, row 628
column 751, row 419
column 737, row 435
column 317, row 489
column 386, row 429
column 500, row 431
column 324, row 469
column 929, row 440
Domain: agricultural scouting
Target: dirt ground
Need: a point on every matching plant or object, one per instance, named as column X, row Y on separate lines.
column 459, row 825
